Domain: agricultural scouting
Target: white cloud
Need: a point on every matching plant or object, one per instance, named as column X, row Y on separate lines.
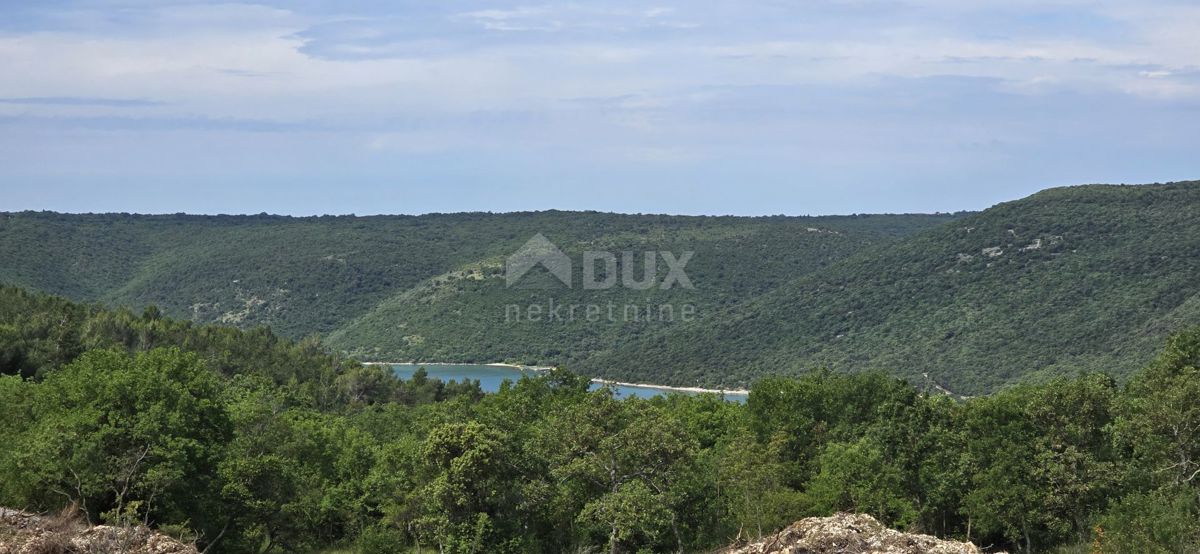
column 519, row 19
column 829, row 82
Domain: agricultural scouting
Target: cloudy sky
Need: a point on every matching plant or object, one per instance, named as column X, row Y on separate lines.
column 703, row 106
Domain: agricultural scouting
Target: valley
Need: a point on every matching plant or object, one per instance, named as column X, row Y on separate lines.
column 1070, row 279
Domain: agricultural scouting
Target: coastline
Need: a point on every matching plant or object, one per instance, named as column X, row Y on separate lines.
column 596, row 380
column 492, row 364
column 731, row 392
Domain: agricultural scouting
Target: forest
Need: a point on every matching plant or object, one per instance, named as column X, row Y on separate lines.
column 1088, row 278
column 246, row 442
column 424, row 288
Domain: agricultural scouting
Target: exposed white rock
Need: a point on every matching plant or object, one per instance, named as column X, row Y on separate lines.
column 849, row 534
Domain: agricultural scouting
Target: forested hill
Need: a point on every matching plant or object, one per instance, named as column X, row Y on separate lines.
column 406, row 287
column 1089, row 277
column 1078, row 278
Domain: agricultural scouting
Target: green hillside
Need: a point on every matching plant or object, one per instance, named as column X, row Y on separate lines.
column 468, row 314
column 410, row 287
column 1090, row 277
column 1079, row 278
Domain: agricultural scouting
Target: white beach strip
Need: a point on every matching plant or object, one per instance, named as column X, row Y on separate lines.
column 735, row 392
column 495, row 364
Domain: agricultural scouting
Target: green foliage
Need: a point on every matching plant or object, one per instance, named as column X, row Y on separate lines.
column 220, row 438
column 753, row 477
column 380, row 540
column 119, row 434
column 1157, row 425
column 1160, row 522
column 425, row 288
column 856, row 477
column 632, row 513
column 1159, row 420
column 629, row 457
column 1089, row 278
column 466, row 497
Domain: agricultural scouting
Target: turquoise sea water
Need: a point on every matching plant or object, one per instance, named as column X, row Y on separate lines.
column 490, row 377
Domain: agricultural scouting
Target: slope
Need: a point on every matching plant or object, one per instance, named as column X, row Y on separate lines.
column 471, row 314
column 1069, row 279
column 316, row 275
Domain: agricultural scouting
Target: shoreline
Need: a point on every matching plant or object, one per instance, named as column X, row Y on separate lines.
column 490, row 364
column 701, row 390
column 596, row 380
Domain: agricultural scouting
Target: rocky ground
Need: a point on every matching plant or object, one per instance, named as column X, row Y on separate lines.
column 849, row 534
column 25, row 533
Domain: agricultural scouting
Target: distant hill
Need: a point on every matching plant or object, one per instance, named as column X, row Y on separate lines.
column 1069, row 279
column 1089, row 277
column 415, row 287
column 467, row 314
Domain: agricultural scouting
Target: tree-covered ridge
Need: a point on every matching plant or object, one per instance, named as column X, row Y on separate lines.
column 465, row 315
column 349, row 458
column 350, row 276
column 1078, row 278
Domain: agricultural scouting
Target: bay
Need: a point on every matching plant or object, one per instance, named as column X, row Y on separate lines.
column 491, row 376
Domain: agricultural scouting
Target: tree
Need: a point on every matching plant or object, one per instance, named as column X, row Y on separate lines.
column 1158, row 426
column 127, row 436
column 603, row 447
column 1003, row 499
column 1075, row 465
column 368, row 384
column 466, row 497
column 16, row 415
column 1158, row 522
column 856, row 477
column 632, row 511
column 1159, row 417
column 292, row 478
column 751, row 478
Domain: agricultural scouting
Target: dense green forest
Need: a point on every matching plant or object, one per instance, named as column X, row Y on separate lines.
column 314, row 275
column 1089, row 278
column 1079, row 278
column 247, row 442
column 426, row 288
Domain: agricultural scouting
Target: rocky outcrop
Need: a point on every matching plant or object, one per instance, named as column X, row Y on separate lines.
column 25, row 533
column 849, row 534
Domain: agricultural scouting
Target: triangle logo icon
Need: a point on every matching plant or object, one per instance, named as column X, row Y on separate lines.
column 537, row 251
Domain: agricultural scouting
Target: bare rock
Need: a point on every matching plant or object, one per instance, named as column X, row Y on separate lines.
column 24, row 533
column 849, row 534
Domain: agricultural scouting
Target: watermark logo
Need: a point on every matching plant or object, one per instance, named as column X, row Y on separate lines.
column 600, row 268
column 537, row 251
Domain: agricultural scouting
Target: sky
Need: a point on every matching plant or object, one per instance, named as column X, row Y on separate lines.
column 699, row 107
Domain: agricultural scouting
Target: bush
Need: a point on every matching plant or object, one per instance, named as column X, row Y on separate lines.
column 1157, row 522
column 381, row 539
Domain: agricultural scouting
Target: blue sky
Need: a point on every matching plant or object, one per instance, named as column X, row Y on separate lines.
column 698, row 107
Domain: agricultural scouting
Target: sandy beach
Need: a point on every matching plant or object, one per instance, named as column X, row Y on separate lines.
column 735, row 392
